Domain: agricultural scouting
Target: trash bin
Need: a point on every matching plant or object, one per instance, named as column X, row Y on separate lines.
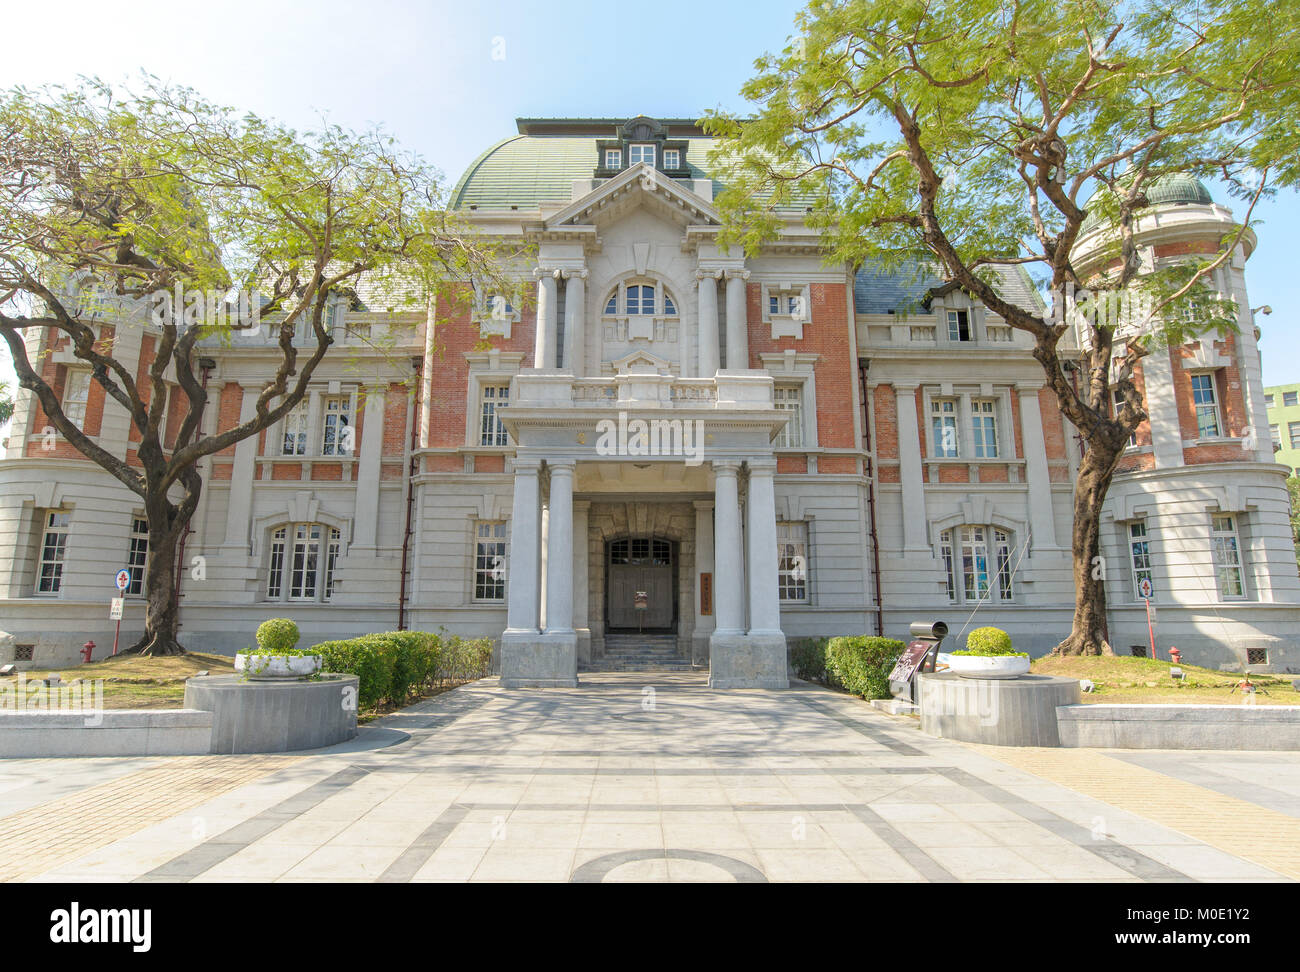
column 918, row 656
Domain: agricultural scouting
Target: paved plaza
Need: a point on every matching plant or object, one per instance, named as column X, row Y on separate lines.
column 639, row 777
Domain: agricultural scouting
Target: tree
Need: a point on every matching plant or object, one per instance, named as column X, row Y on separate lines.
column 979, row 134
column 6, row 403
column 116, row 204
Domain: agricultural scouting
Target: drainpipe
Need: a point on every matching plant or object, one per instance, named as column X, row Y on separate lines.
column 869, row 459
column 411, row 467
column 205, row 368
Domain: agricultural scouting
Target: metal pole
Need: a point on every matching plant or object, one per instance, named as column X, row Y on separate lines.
column 1150, row 630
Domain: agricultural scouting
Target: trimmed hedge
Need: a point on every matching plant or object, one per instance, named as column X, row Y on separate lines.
column 393, row 664
column 808, row 659
column 988, row 641
column 861, row 664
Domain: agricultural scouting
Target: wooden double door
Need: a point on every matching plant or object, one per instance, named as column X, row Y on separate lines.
column 640, row 585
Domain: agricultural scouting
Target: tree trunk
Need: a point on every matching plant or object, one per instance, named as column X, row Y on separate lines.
column 1089, row 634
column 162, row 612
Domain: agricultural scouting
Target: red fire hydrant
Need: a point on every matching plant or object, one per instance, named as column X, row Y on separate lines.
column 1174, row 654
column 86, row 650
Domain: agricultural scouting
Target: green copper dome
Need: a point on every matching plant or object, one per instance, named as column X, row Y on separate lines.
column 1167, row 190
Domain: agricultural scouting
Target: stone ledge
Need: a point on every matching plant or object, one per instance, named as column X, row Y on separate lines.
column 1231, row 727
column 119, row 732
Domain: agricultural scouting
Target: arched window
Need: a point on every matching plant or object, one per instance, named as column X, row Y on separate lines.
column 301, row 566
column 640, row 299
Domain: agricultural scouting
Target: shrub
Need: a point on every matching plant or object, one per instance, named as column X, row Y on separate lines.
column 463, row 659
column 367, row 659
column 861, row 664
column 808, row 659
column 277, row 636
column 988, row 641
column 414, row 657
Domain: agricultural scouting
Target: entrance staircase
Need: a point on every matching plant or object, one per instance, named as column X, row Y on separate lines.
column 640, row 653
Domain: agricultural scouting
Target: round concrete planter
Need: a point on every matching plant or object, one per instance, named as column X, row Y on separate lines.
column 989, row 666
column 275, row 667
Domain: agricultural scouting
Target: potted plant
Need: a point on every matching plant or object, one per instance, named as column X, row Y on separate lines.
column 988, row 654
column 275, row 655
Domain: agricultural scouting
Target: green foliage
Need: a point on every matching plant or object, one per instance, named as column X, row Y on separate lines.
column 861, row 664
column 989, row 641
column 808, row 659
column 391, row 665
column 277, row 636
column 1293, row 488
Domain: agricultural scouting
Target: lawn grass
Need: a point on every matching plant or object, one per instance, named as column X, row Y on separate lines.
column 1124, row 679
column 133, row 682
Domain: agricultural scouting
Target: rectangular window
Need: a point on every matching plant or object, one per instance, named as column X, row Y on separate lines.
column 672, row 158
column 792, row 562
column 275, row 571
column 1002, row 557
column 1207, row 406
column 958, row 325
column 137, row 554
column 76, row 391
column 1227, row 556
column 1268, row 401
column 945, row 551
column 490, row 561
column 789, row 398
column 974, row 563
column 493, row 399
column 984, row 426
column 331, row 560
column 1139, row 553
column 1117, row 399
column 640, row 153
column 613, row 158
column 943, row 427
column 337, row 435
column 306, row 561
column 295, row 431
column 1289, row 399
column 1293, row 433
column 54, row 547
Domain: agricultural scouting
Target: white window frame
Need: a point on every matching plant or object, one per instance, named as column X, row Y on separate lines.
column 788, row 396
column 1293, row 434
column 672, row 158
column 613, row 158
column 342, row 443
column 488, row 568
column 294, row 553
column 1208, row 378
column 1139, row 555
column 492, row 397
column 984, row 428
column 972, row 553
column 793, row 583
column 945, row 419
column 56, row 527
column 1225, row 552
column 137, row 555
column 1290, row 399
column 294, row 429
column 76, row 380
column 640, row 148
column 954, row 325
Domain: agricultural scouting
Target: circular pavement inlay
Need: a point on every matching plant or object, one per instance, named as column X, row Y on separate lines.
column 699, row 866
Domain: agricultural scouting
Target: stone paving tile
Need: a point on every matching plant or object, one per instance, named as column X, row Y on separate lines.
column 590, row 784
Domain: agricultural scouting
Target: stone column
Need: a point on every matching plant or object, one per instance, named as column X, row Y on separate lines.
column 703, row 565
column 525, row 550
column 574, row 322
column 909, row 469
column 1042, row 526
column 559, row 554
column 708, row 318
column 240, row 504
column 737, row 327
column 368, row 470
column 544, row 347
column 728, row 583
column 764, row 603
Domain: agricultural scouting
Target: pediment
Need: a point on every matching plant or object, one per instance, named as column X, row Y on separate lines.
column 639, row 186
column 641, row 362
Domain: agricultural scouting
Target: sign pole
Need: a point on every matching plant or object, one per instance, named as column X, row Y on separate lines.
column 123, row 581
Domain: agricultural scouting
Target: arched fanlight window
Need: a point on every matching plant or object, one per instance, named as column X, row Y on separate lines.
column 640, row 299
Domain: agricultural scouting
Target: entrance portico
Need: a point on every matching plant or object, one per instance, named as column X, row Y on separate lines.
column 700, row 527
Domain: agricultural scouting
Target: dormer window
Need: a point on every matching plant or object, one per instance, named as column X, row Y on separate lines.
column 672, row 158
column 613, row 158
column 958, row 325
column 641, row 153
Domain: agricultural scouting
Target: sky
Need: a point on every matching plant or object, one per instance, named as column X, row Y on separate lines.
column 449, row 79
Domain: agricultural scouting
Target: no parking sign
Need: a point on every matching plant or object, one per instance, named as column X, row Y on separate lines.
column 123, row 579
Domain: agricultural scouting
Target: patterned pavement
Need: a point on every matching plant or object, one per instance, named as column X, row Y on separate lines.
column 635, row 777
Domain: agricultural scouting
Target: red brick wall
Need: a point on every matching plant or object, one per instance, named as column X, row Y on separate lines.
column 228, row 407
column 327, row 471
column 396, row 399
column 885, row 408
column 1053, row 424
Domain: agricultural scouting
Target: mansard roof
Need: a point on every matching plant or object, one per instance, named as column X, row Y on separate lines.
column 908, row 289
